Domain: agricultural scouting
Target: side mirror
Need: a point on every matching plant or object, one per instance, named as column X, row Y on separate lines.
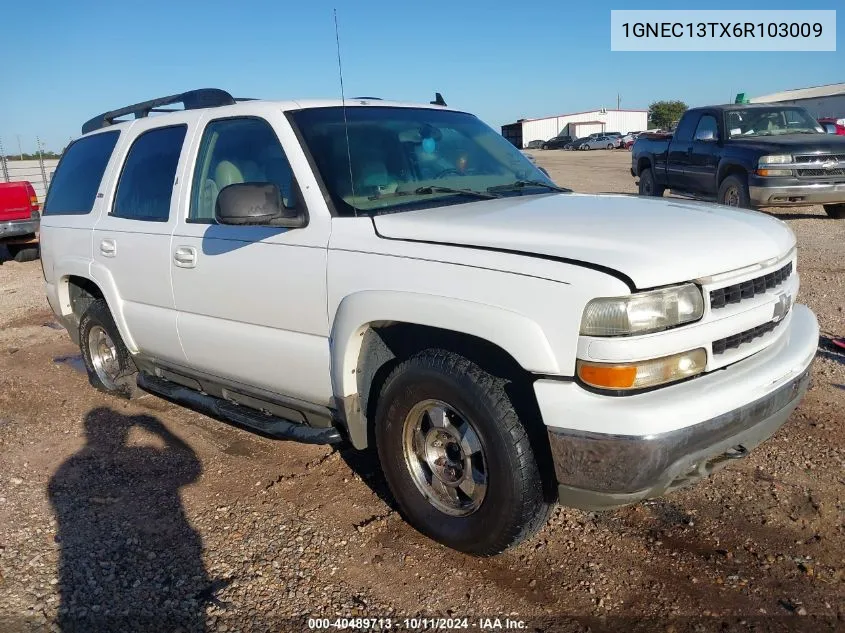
column 256, row 203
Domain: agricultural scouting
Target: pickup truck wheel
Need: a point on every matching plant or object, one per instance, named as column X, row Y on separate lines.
column 733, row 192
column 647, row 185
column 835, row 211
column 108, row 362
column 456, row 456
column 22, row 252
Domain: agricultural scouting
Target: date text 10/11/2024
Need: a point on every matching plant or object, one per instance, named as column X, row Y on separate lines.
column 417, row 624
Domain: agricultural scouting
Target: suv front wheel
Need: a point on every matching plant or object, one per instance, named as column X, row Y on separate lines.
column 456, row 456
column 108, row 362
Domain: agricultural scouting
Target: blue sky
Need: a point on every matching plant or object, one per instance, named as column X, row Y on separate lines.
column 64, row 62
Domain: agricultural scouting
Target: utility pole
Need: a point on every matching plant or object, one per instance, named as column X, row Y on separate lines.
column 3, row 167
column 41, row 163
column 618, row 100
column 20, row 151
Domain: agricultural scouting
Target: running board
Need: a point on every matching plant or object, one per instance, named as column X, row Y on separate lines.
column 273, row 426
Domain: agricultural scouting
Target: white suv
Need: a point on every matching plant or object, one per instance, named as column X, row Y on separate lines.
column 400, row 276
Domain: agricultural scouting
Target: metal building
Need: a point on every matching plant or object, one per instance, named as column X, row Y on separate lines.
column 821, row 101
column 576, row 124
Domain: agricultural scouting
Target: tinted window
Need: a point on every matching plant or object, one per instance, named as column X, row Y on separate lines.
column 377, row 159
column 686, row 127
column 234, row 151
column 146, row 182
column 74, row 186
column 707, row 128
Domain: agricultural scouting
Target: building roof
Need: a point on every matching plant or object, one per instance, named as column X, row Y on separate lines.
column 555, row 116
column 827, row 90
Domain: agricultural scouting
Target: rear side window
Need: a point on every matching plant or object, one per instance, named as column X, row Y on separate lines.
column 77, row 178
column 146, row 182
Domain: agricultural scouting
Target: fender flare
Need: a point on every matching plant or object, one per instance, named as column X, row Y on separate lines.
column 514, row 333
column 726, row 165
column 101, row 276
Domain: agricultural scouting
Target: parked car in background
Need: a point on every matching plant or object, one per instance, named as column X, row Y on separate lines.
column 833, row 126
column 599, row 142
column 760, row 155
column 499, row 342
column 558, row 142
column 538, row 144
column 19, row 220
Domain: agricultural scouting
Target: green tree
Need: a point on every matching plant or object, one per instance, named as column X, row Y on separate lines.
column 663, row 113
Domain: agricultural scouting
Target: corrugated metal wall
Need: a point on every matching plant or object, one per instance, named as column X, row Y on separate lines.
column 614, row 121
column 822, row 107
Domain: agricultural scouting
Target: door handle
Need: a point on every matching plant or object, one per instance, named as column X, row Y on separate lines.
column 108, row 248
column 185, row 257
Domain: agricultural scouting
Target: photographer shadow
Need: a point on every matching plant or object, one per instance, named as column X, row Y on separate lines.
column 129, row 559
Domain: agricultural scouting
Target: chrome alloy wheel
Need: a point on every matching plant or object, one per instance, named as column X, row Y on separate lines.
column 444, row 457
column 103, row 353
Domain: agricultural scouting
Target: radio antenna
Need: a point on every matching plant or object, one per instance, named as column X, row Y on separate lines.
column 343, row 106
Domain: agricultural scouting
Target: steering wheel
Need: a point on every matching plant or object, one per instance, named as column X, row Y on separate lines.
column 448, row 171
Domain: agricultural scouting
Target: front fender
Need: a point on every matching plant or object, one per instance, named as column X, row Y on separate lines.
column 514, row 333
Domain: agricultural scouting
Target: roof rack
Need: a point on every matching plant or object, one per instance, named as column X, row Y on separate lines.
column 191, row 100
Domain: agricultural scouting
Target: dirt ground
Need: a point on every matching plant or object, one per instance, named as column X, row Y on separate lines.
column 146, row 516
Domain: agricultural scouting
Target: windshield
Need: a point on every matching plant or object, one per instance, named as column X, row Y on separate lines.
column 770, row 121
column 408, row 158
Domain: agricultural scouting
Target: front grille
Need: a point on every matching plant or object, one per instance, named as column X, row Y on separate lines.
column 732, row 342
column 814, row 171
column 821, row 172
column 747, row 289
column 811, row 158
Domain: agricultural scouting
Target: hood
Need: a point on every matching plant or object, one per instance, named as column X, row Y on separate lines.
column 793, row 143
column 654, row 242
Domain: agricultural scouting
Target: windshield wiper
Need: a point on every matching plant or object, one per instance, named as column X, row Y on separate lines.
column 522, row 184
column 463, row 192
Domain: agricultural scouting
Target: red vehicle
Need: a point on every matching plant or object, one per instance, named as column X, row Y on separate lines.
column 833, row 126
column 19, row 220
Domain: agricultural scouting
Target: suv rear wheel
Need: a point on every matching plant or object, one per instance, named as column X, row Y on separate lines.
column 108, row 362
column 835, row 211
column 456, row 456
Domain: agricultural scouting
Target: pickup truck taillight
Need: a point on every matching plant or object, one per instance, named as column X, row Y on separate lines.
column 33, row 203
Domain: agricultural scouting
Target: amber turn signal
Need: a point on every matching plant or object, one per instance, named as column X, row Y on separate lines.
column 642, row 374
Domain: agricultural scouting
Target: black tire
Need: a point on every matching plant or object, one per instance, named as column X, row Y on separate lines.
column 545, row 146
column 647, row 185
column 835, row 211
column 733, row 192
column 610, row 146
column 23, row 252
column 124, row 380
column 514, row 505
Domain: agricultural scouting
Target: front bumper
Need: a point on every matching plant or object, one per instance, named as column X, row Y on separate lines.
column 752, row 399
column 16, row 228
column 791, row 192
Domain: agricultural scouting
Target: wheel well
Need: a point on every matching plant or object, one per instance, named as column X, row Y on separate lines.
column 732, row 170
column 384, row 346
column 643, row 164
column 81, row 293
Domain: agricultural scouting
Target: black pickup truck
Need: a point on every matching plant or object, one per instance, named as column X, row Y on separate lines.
column 743, row 155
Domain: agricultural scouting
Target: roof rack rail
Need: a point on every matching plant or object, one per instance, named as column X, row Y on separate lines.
column 367, row 98
column 191, row 100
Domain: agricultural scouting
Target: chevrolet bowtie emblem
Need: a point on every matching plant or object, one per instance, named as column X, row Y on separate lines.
column 782, row 307
column 833, row 163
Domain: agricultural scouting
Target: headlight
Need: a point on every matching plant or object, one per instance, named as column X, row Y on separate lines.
column 643, row 312
column 775, row 159
column 763, row 165
column 642, row 374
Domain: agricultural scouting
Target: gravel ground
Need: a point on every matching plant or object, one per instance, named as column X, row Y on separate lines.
column 146, row 516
